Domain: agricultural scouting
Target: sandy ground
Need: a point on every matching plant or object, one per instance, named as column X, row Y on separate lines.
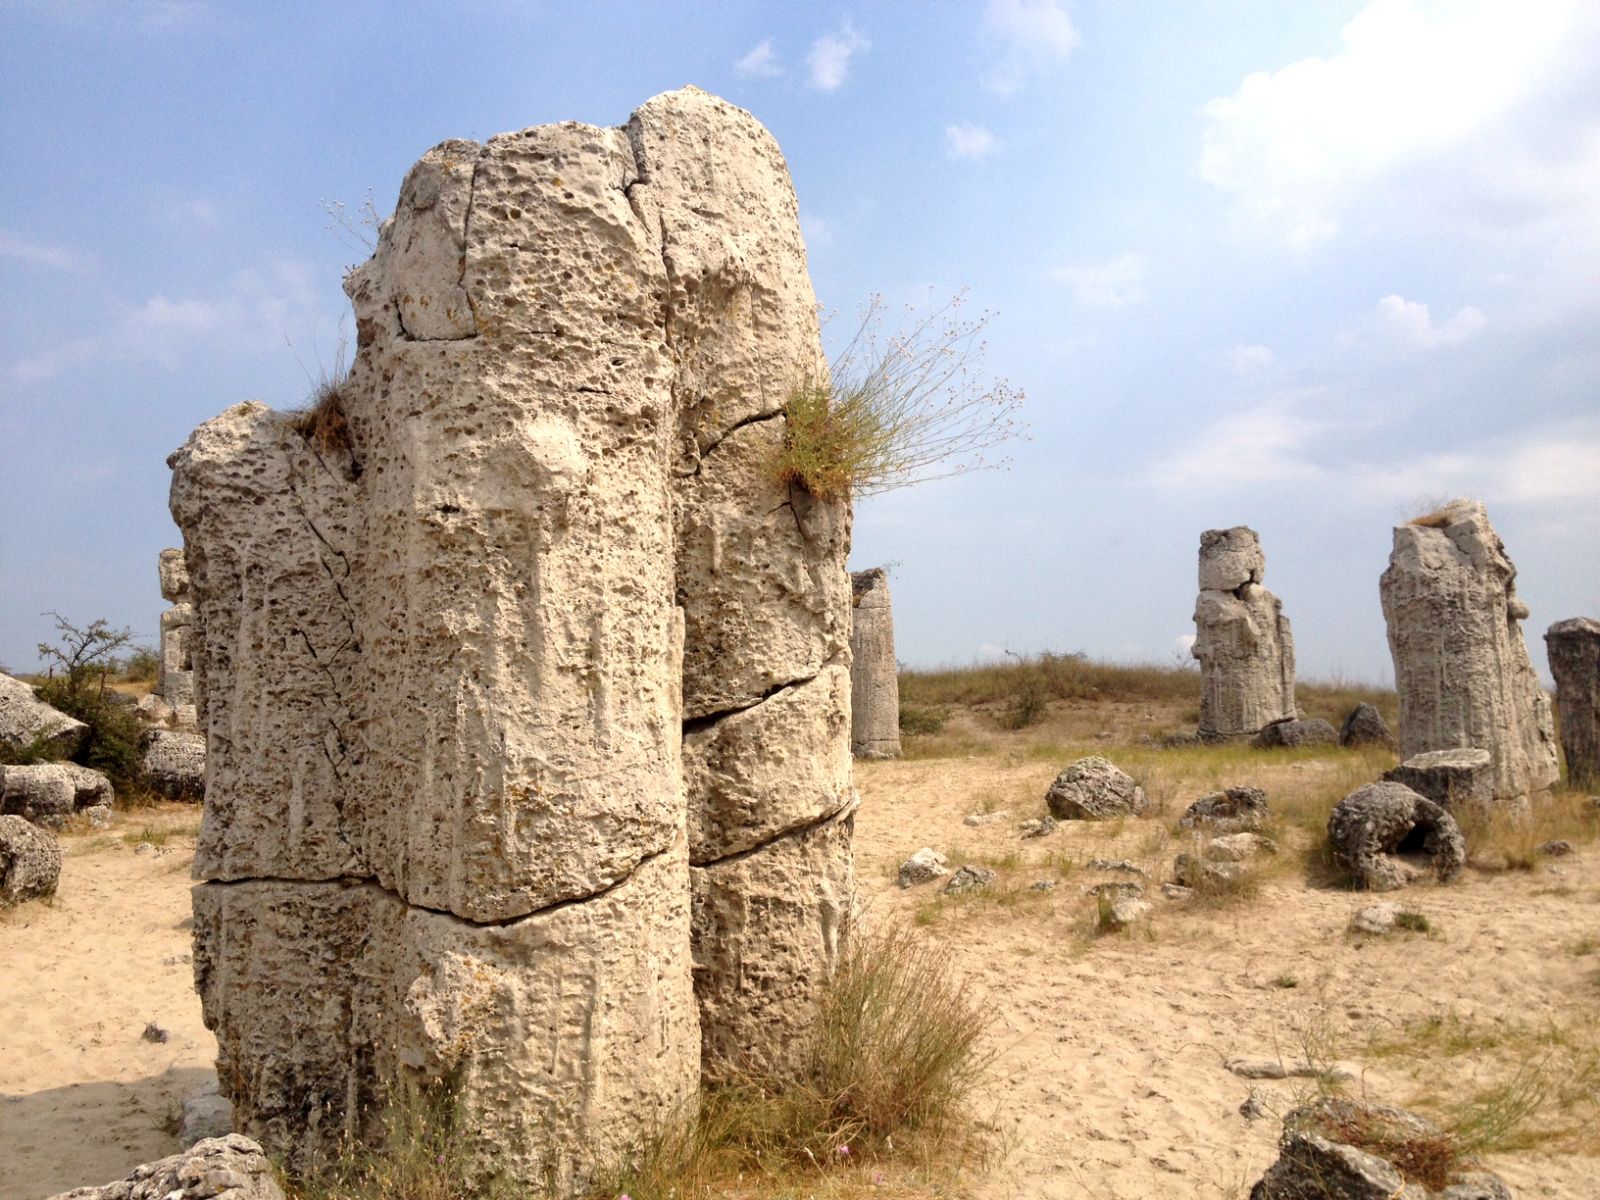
column 1109, row 1079
column 83, row 1097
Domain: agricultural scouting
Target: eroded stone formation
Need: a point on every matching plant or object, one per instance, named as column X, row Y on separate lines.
column 874, row 677
column 1242, row 639
column 1461, row 665
column 175, row 683
column 524, row 682
column 1574, row 649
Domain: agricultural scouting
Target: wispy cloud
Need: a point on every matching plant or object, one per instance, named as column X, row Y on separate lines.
column 1409, row 324
column 1269, row 443
column 61, row 258
column 1114, row 284
column 1032, row 36
column 1295, row 145
column 830, row 56
column 818, row 231
column 761, row 63
column 966, row 140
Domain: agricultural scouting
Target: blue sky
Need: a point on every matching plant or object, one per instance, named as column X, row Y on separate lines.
column 1304, row 267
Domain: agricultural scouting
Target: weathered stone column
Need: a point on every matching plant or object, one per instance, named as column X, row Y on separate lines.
column 508, row 628
column 1460, row 663
column 762, row 581
column 874, row 677
column 1574, row 649
column 1242, row 639
column 175, row 682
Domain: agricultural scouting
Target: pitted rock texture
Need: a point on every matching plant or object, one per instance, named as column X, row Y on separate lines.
column 1574, row 650
column 1232, row 811
column 874, row 674
column 221, row 1168
column 1242, row 639
column 24, row 719
column 1374, row 826
column 30, row 861
column 175, row 764
column 52, row 794
column 1095, row 789
column 509, row 631
column 1365, row 726
column 1460, row 662
column 175, row 680
column 1452, row 779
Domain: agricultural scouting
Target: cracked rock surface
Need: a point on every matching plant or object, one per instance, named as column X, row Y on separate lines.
column 1460, row 661
column 524, row 682
column 1574, row 650
column 1242, row 639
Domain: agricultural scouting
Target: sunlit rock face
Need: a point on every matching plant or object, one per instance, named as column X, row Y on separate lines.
column 1242, row 639
column 1461, row 665
column 523, row 680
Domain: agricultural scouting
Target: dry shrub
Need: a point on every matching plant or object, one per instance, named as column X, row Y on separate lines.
column 1432, row 1158
column 1506, row 838
column 323, row 423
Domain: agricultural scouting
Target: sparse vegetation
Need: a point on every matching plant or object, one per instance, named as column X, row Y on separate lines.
column 322, row 422
column 897, row 409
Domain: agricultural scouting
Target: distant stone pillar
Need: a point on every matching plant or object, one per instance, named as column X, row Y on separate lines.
column 175, row 680
column 1461, row 665
column 874, row 679
column 1242, row 639
column 1574, row 649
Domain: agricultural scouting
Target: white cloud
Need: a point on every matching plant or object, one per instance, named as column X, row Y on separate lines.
column 61, row 258
column 1409, row 324
column 253, row 312
column 991, row 650
column 1297, row 144
column 1246, row 358
column 1033, row 35
column 1553, row 465
column 761, row 63
column 830, row 55
column 1114, row 284
column 818, row 231
column 1265, row 444
column 1184, row 644
column 966, row 140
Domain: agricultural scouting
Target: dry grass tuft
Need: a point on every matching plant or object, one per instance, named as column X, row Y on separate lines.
column 1503, row 838
column 323, row 423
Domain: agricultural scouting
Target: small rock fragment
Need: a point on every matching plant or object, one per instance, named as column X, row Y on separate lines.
column 1557, row 848
column 30, row 861
column 976, row 819
column 1036, row 829
column 1375, row 919
column 1239, row 847
column 155, row 1033
column 1365, row 726
column 922, row 866
column 968, row 878
column 1094, row 789
column 1230, row 811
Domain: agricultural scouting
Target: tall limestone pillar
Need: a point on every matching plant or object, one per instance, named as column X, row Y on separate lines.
column 874, row 676
column 1461, row 665
column 1242, row 639
column 523, row 680
column 1574, row 649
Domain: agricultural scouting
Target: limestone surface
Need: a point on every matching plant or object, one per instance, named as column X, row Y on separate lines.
column 24, row 719
column 1233, row 810
column 221, row 1168
column 1365, row 726
column 1242, row 639
column 175, row 764
column 52, row 794
column 1095, row 789
column 874, row 674
column 1452, row 779
column 30, row 861
column 1460, row 662
column 524, row 683
column 1574, row 650
column 1375, row 828
column 1297, row 732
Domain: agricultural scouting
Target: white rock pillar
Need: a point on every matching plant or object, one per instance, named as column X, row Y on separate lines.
column 1461, row 665
column 874, row 674
column 1242, row 639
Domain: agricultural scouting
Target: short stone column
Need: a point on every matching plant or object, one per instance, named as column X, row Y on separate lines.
column 1242, row 639
column 874, row 679
column 1574, row 649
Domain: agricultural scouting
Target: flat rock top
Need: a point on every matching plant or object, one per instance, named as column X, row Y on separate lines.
column 1466, row 758
column 1574, row 627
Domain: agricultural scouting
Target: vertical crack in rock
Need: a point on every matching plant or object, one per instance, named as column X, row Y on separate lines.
column 1242, row 639
column 1461, row 664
